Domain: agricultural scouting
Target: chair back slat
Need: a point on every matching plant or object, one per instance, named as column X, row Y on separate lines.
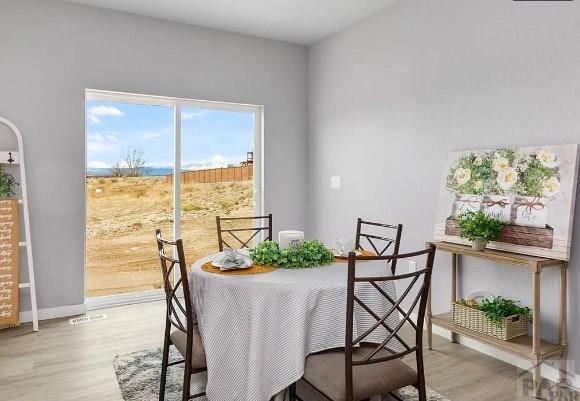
column 380, row 244
column 395, row 307
column 231, row 237
column 412, row 302
column 177, row 294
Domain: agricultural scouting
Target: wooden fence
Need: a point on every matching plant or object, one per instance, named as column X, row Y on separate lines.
column 226, row 174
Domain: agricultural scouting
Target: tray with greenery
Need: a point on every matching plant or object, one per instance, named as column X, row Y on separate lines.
column 310, row 253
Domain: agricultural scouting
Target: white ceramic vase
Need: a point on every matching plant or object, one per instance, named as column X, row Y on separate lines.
column 290, row 238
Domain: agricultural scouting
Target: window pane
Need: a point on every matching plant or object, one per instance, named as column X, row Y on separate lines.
column 217, row 162
column 129, row 154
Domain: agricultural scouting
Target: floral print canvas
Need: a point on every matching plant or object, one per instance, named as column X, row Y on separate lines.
column 532, row 189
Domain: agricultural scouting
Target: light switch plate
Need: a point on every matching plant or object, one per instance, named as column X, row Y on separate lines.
column 335, row 182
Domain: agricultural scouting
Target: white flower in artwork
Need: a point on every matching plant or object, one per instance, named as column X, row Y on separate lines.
column 506, row 178
column 523, row 165
column 500, row 163
column 551, row 187
column 462, row 175
column 546, row 158
column 478, row 185
column 478, row 161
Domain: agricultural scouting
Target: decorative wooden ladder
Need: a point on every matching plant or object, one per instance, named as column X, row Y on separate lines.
column 17, row 157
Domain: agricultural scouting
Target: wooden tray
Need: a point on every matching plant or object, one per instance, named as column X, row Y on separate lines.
column 255, row 269
column 362, row 253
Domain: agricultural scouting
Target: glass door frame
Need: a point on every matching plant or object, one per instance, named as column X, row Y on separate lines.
column 178, row 104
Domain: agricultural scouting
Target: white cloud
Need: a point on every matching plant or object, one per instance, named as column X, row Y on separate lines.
column 185, row 115
column 150, row 135
column 98, row 147
column 93, row 113
column 103, row 137
column 93, row 119
column 98, row 164
column 106, row 111
column 102, row 141
column 216, row 161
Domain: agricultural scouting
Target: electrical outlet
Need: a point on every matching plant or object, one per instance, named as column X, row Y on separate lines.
column 412, row 266
column 335, row 182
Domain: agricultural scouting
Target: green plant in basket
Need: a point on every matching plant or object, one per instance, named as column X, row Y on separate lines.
column 479, row 228
column 497, row 308
column 307, row 254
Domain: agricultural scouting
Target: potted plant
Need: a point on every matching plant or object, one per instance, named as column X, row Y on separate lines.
column 7, row 184
column 479, row 228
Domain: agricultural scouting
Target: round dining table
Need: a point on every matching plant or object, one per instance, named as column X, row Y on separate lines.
column 258, row 329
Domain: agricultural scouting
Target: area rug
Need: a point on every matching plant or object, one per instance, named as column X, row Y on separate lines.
column 138, row 376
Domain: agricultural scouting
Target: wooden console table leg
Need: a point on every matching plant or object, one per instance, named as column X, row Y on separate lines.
column 563, row 321
column 454, row 258
column 536, row 350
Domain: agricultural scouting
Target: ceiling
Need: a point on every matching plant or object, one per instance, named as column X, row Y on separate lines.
column 298, row 21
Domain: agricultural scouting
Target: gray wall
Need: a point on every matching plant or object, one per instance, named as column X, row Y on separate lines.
column 51, row 51
column 392, row 95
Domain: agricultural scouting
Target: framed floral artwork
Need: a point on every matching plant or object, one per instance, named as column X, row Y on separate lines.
column 532, row 189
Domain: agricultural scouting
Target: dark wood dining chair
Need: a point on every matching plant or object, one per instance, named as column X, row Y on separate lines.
column 234, row 233
column 366, row 232
column 362, row 370
column 181, row 329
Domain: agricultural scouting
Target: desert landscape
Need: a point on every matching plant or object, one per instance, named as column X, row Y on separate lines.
column 123, row 213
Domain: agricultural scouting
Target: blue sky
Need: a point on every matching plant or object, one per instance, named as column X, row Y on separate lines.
column 210, row 138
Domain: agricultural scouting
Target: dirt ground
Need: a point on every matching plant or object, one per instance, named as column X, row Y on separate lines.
column 123, row 213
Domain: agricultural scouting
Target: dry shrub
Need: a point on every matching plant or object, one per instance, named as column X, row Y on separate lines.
column 226, row 205
column 139, row 193
column 193, row 207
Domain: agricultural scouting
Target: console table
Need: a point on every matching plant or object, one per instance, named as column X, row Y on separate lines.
column 532, row 347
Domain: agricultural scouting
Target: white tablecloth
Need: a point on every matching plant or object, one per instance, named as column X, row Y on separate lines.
column 258, row 329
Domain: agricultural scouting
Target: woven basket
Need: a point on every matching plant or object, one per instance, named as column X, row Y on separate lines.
column 474, row 319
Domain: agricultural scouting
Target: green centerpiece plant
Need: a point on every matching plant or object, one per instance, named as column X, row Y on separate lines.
column 479, row 228
column 310, row 253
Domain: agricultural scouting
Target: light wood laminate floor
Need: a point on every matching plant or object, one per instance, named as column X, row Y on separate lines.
column 66, row 362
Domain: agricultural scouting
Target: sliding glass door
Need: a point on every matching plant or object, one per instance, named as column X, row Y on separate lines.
column 217, row 160
column 156, row 162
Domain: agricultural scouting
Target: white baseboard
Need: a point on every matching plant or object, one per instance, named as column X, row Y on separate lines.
column 547, row 371
column 92, row 304
column 54, row 313
column 123, row 299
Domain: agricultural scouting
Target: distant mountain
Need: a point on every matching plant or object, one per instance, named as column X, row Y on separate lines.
column 150, row 171
column 156, row 171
